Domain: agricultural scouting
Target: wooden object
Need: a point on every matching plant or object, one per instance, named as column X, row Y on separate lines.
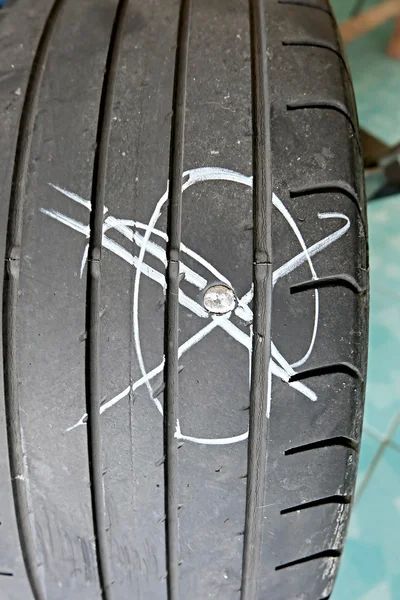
column 393, row 49
column 370, row 19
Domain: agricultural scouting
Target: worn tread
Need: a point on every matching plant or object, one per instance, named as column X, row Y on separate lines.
column 18, row 470
column 171, row 371
column 262, row 278
column 297, row 133
column 324, row 105
column 93, row 340
column 318, row 43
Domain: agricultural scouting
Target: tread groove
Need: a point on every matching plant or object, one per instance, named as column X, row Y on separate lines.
column 307, row 3
column 319, row 44
column 336, row 499
column 262, row 277
column 339, row 367
column 326, row 188
column 171, row 369
column 325, row 105
column 343, row 280
column 331, row 187
column 19, row 477
column 328, row 442
column 93, row 306
column 332, row 553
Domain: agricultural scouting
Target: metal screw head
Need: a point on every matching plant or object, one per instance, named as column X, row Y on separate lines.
column 219, row 299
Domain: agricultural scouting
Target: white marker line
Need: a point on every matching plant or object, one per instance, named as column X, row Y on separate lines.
column 289, row 219
column 84, row 259
column 269, row 391
column 154, row 249
column 159, row 252
column 86, row 203
column 123, row 225
column 118, row 250
column 103, row 407
column 242, row 310
column 235, row 332
column 149, row 376
column 72, row 196
column 212, row 441
column 116, row 399
column 68, row 221
column 194, row 176
column 284, row 371
column 306, row 255
column 300, row 258
column 135, row 310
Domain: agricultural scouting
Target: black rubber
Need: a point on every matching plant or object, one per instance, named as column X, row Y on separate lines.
column 242, row 490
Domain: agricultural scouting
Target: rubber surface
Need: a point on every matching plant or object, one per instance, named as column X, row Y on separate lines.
column 243, row 489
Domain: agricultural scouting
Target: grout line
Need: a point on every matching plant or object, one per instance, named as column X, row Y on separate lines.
column 394, row 445
column 386, row 441
column 380, row 437
column 374, row 433
column 382, row 292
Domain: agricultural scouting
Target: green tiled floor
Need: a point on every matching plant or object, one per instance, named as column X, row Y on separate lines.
column 370, row 567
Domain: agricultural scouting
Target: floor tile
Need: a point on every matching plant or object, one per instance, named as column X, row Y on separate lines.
column 370, row 567
column 371, row 563
column 383, row 385
column 375, row 76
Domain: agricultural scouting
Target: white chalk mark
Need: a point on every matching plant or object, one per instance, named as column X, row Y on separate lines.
column 269, row 391
column 152, row 248
column 306, row 255
column 211, row 441
column 103, row 407
column 75, row 197
column 284, row 372
column 243, row 311
column 156, row 250
column 236, row 333
column 84, row 259
column 118, row 250
column 135, row 310
column 184, row 299
column 193, row 176
column 250, row 353
column 72, row 196
column 71, row 223
column 307, row 355
column 204, row 263
column 289, row 219
column 300, row 258
column 279, row 366
column 82, row 421
column 116, row 399
column 216, row 322
column 149, row 376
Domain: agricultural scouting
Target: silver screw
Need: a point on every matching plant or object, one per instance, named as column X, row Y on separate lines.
column 219, row 299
